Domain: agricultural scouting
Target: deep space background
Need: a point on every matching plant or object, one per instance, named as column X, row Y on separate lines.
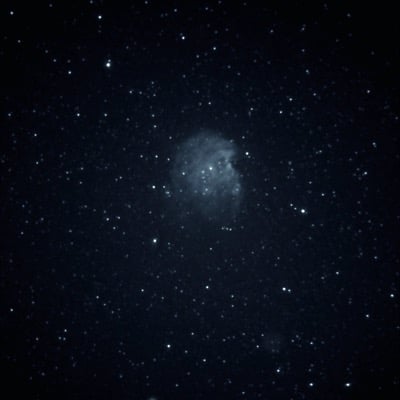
column 113, row 285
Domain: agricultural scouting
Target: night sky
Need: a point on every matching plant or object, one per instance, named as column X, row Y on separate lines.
column 198, row 200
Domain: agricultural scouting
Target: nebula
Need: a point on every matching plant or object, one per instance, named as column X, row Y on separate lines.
column 205, row 180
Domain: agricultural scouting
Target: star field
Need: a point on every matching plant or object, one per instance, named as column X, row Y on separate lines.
column 199, row 200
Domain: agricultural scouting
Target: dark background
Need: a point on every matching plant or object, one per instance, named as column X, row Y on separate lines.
column 107, row 293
